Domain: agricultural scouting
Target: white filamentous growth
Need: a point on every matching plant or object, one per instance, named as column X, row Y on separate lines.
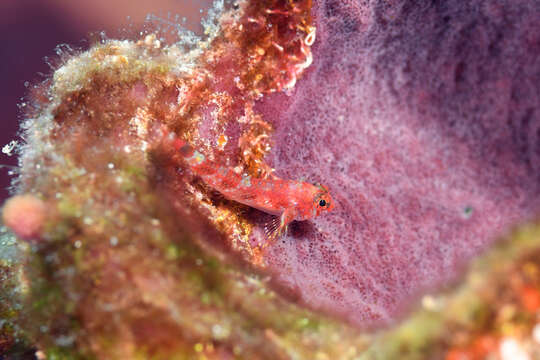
column 190, row 46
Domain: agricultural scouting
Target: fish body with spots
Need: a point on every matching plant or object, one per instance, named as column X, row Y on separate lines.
column 287, row 199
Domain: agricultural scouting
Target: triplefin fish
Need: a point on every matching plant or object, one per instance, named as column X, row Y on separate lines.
column 288, row 200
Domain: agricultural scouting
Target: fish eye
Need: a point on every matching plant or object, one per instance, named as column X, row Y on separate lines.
column 322, row 203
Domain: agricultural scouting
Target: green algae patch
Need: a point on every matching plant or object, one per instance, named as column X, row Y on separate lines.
column 59, row 353
column 11, row 336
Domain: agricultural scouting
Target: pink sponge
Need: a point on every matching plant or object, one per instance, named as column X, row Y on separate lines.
column 25, row 216
column 422, row 118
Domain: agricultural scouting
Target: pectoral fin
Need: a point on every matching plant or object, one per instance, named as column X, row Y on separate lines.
column 277, row 226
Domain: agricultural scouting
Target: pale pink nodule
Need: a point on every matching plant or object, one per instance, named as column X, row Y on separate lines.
column 24, row 215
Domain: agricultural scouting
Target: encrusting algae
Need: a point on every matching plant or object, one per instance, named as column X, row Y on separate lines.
column 128, row 255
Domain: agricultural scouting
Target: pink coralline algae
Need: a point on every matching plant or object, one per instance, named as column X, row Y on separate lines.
column 423, row 120
column 25, row 215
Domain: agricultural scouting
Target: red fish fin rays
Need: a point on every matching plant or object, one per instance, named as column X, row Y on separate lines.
column 272, row 228
column 277, row 226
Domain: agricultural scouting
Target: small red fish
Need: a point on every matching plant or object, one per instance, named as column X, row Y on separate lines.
column 287, row 199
